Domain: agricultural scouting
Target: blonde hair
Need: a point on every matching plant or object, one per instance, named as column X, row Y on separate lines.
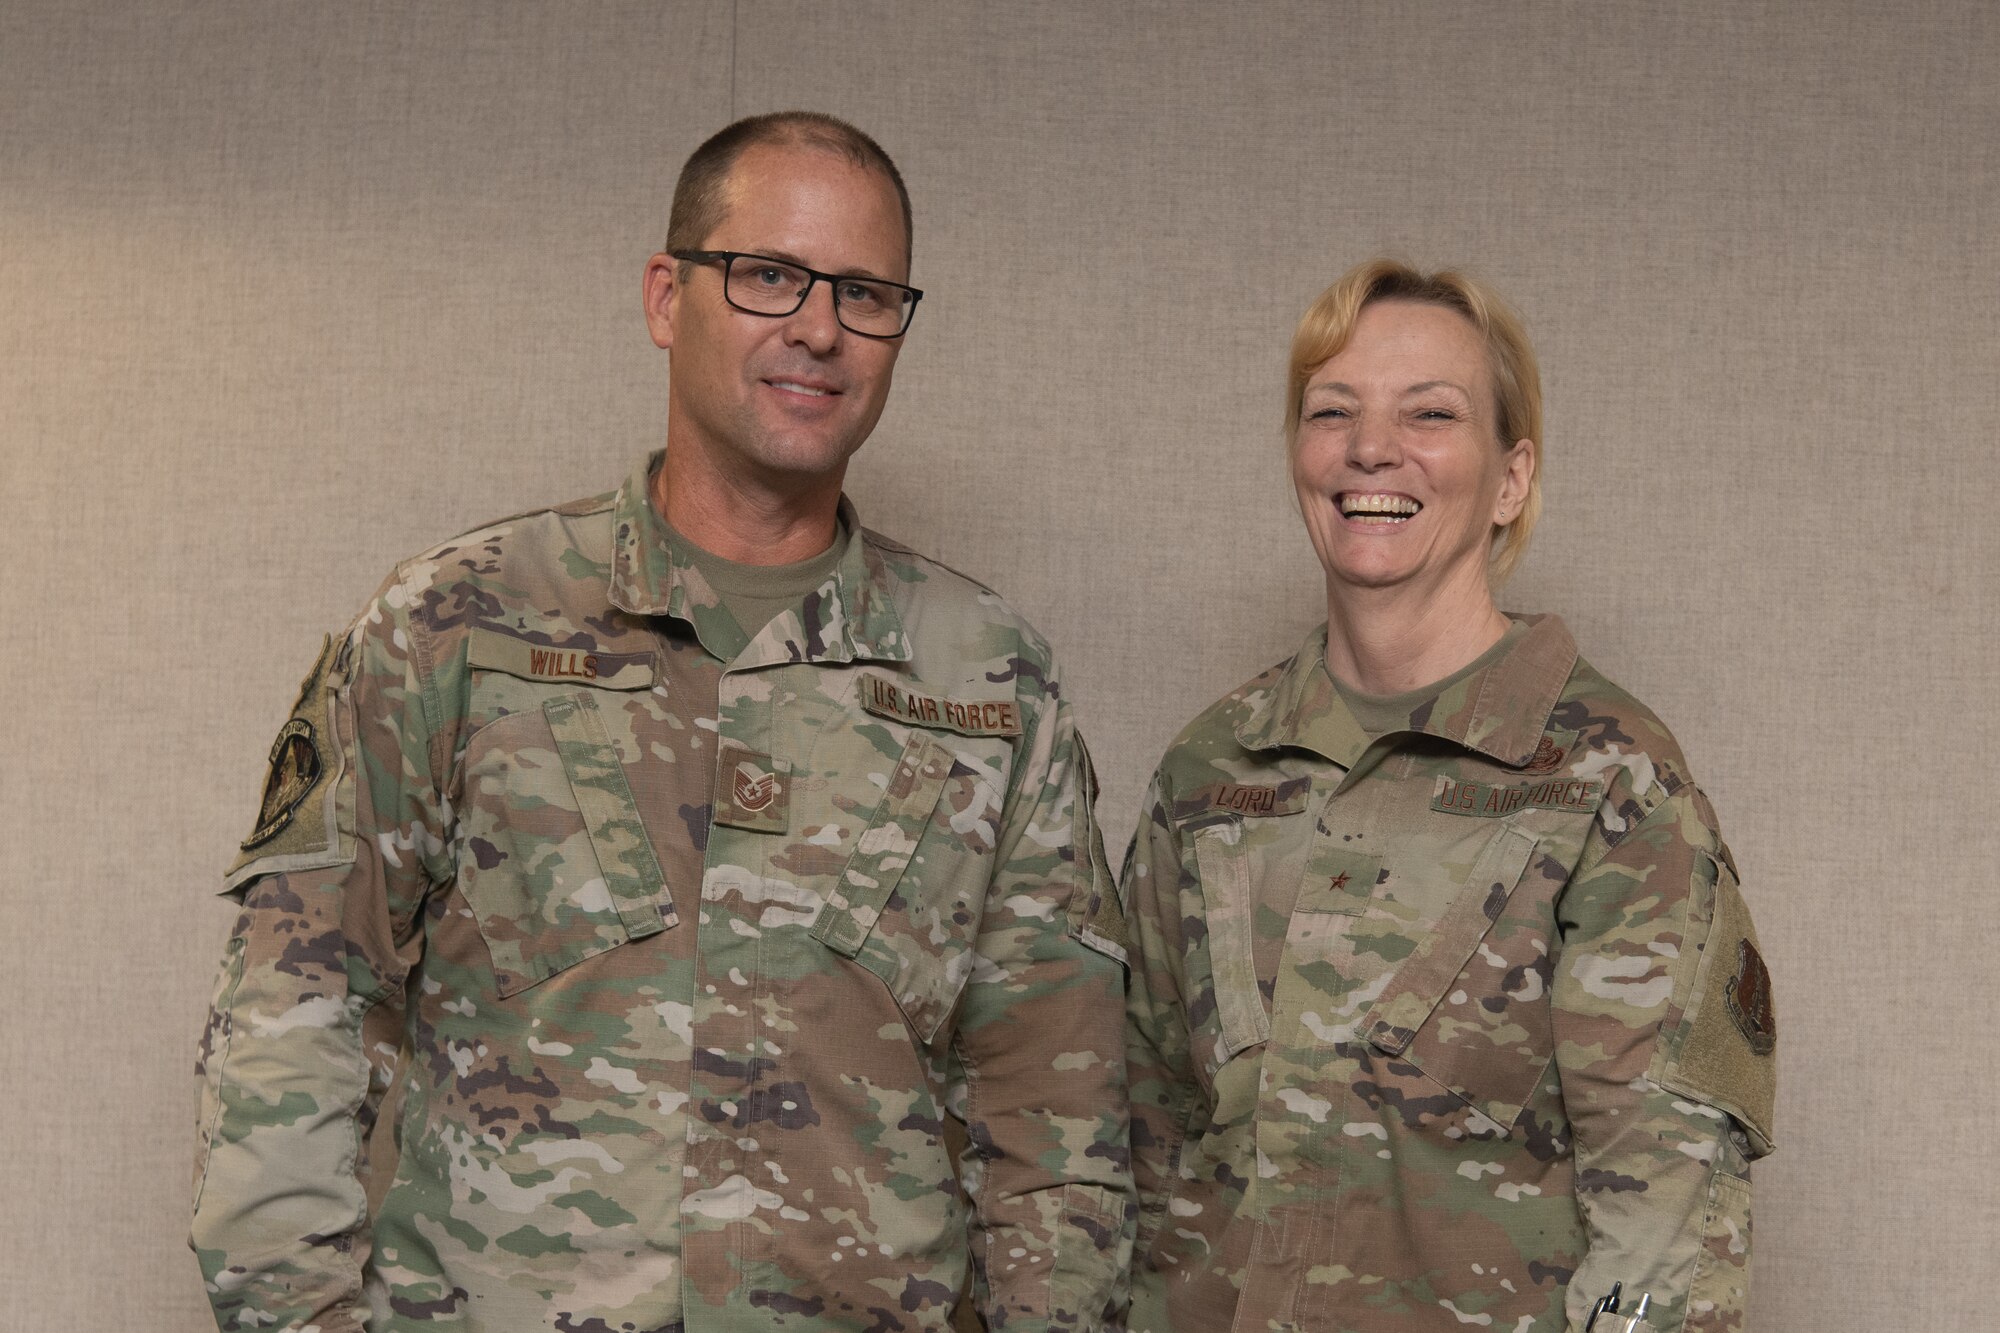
column 1517, row 382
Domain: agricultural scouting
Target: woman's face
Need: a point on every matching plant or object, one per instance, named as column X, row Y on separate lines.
column 1399, row 469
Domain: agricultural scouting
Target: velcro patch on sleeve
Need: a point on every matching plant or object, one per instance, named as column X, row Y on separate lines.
column 967, row 717
column 1491, row 801
column 305, row 819
column 488, row 650
column 1723, row 1051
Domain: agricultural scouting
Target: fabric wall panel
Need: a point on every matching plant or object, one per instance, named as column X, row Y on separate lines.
column 291, row 293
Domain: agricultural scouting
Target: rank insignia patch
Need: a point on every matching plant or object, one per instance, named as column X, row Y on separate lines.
column 752, row 790
column 296, row 768
column 753, row 793
column 1749, row 999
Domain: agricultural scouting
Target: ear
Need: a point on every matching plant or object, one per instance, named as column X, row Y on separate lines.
column 658, row 291
column 1514, row 482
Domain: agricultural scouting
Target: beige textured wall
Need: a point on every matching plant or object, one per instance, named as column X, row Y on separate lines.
column 287, row 292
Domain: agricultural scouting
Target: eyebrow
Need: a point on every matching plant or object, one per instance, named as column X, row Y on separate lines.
column 1337, row 386
column 790, row 258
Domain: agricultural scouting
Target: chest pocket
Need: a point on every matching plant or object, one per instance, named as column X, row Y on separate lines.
column 1248, row 856
column 553, row 859
column 908, row 902
column 1229, row 906
column 1470, row 1005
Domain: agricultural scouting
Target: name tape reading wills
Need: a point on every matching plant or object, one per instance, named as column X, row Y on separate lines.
column 533, row 661
column 1489, row 802
column 967, row 717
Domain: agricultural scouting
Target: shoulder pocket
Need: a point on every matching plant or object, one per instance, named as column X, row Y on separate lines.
column 554, row 860
column 908, row 902
column 1722, row 1047
column 305, row 819
column 1472, row 1017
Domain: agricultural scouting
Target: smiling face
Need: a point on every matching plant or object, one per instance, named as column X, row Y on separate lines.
column 1399, row 470
column 788, row 400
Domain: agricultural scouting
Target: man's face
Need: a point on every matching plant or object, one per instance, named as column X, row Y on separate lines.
column 781, row 400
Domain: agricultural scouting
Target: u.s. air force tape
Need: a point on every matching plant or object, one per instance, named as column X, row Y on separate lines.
column 1484, row 800
column 967, row 717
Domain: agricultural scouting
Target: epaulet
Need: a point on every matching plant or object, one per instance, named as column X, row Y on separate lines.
column 589, row 504
column 1224, row 715
column 874, row 538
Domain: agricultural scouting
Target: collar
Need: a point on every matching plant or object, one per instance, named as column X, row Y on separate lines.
column 1501, row 710
column 851, row 617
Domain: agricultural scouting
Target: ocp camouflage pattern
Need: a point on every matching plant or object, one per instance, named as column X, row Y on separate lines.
column 1431, row 1031
column 690, row 964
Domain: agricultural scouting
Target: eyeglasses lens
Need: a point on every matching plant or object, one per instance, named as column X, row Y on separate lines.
column 767, row 287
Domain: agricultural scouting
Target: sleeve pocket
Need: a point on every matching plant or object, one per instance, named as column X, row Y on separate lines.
column 908, row 901
column 1719, row 1295
column 1096, row 913
column 558, row 866
column 215, row 1040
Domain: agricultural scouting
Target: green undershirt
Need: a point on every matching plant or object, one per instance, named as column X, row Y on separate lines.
column 752, row 595
column 1380, row 713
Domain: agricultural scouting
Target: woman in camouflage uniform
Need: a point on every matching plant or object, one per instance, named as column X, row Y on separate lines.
column 1446, row 1010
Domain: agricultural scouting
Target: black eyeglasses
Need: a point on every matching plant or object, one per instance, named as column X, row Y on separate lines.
column 774, row 288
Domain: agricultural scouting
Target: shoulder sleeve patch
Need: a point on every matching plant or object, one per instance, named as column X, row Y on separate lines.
column 1723, row 1048
column 306, row 817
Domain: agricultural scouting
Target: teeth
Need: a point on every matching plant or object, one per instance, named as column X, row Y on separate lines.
column 797, row 388
column 1391, row 506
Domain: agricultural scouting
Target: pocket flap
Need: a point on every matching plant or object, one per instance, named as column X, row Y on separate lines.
column 1421, row 982
column 604, row 799
column 1229, row 907
column 883, row 851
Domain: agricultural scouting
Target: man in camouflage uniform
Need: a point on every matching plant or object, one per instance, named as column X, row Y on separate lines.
column 703, row 855
column 1447, row 1019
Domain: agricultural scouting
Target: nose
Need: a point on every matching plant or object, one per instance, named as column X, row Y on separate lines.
column 814, row 325
column 1372, row 444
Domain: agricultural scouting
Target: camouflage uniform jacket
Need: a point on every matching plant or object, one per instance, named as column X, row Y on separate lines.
column 689, row 962
column 1454, row 1027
